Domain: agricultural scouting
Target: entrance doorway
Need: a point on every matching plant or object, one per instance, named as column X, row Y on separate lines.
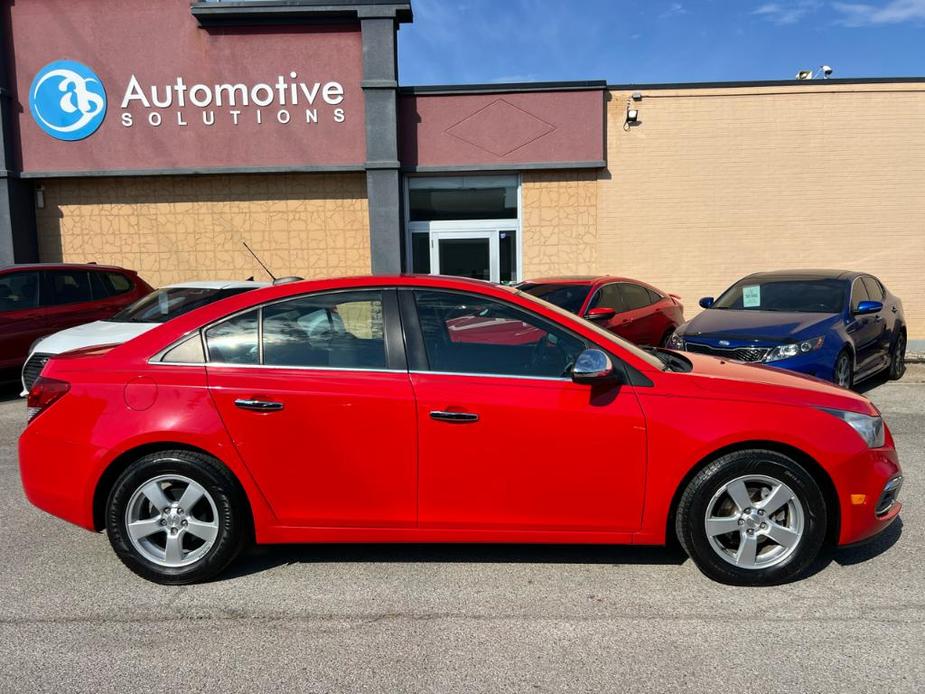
column 468, row 226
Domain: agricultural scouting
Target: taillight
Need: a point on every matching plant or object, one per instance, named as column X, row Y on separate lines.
column 43, row 394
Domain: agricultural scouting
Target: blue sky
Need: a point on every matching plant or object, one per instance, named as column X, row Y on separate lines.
column 624, row 41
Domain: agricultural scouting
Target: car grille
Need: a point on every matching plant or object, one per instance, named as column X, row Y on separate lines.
column 34, row 367
column 738, row 353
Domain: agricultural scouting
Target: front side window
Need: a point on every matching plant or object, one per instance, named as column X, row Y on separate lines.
column 571, row 297
column 472, row 335
column 67, row 287
column 858, row 294
column 634, row 296
column 235, row 340
column 19, row 290
column 608, row 296
column 874, row 289
column 339, row 330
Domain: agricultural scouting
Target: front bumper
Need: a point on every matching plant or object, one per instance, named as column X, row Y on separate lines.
column 868, row 504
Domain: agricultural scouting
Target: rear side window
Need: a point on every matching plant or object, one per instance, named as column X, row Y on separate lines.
column 874, row 289
column 340, row 330
column 634, row 296
column 234, row 341
column 66, row 287
column 187, row 352
column 654, row 296
column 19, row 290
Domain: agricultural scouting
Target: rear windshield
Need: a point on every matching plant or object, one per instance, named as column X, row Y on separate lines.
column 790, row 295
column 567, row 296
column 164, row 304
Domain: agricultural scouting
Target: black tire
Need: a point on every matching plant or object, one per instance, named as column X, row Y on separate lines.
column 699, row 494
column 222, row 488
column 898, row 357
column 844, row 359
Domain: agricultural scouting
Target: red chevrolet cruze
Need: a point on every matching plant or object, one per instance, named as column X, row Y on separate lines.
column 370, row 410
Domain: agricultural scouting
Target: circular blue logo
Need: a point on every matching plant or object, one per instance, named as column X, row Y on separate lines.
column 67, row 100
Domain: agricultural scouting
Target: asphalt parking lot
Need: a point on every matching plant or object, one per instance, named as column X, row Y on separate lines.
column 457, row 618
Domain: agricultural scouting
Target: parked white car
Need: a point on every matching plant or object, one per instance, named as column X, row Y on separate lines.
column 157, row 307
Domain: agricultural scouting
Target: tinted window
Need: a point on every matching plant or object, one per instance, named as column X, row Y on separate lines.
column 567, row 296
column 634, row 296
column 608, row 296
column 430, row 204
column 790, row 295
column 116, row 283
column 234, row 341
column 654, row 296
column 342, row 330
column 470, row 334
column 858, row 293
column 164, row 304
column 187, row 352
column 19, row 290
column 67, row 287
column 874, row 289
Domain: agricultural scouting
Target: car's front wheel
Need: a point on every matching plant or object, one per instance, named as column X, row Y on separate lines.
column 898, row 357
column 752, row 517
column 176, row 517
column 844, row 370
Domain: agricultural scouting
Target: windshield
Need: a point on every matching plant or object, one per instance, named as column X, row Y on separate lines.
column 790, row 295
column 567, row 296
column 647, row 357
column 162, row 305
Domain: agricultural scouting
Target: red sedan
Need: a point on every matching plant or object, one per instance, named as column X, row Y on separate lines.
column 344, row 411
column 629, row 308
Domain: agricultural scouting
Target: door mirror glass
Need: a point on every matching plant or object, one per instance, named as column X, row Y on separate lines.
column 600, row 313
column 706, row 302
column 592, row 366
column 865, row 307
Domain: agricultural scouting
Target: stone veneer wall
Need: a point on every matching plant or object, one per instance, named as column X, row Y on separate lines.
column 177, row 228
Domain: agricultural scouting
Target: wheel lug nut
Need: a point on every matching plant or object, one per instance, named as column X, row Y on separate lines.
column 750, row 531
column 163, row 522
column 764, row 526
column 760, row 511
column 180, row 511
column 741, row 521
column 748, row 510
column 184, row 523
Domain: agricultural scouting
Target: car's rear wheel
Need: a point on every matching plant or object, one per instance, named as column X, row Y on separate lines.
column 898, row 357
column 752, row 517
column 843, row 374
column 176, row 517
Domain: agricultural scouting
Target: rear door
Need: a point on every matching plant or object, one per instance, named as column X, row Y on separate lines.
column 111, row 291
column 317, row 399
column 22, row 320
column 67, row 296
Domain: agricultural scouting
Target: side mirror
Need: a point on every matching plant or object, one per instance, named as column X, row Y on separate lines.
column 865, row 307
column 706, row 302
column 600, row 313
column 592, row 366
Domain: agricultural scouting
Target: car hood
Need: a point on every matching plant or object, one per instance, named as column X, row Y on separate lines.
column 97, row 333
column 727, row 378
column 774, row 326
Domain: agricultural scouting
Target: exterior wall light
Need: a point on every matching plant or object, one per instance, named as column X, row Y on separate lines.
column 632, row 118
column 40, row 197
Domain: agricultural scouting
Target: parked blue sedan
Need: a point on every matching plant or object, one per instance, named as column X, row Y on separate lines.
column 838, row 326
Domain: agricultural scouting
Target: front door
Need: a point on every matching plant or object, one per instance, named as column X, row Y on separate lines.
column 22, row 321
column 319, row 405
column 507, row 441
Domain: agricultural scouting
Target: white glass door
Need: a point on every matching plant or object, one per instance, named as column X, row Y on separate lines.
column 465, row 254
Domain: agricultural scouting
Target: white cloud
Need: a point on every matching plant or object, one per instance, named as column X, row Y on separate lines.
column 788, row 12
column 893, row 12
column 674, row 9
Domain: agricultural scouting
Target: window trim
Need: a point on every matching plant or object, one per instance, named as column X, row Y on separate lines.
column 851, row 306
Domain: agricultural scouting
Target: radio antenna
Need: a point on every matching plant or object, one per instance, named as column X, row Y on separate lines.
column 272, row 276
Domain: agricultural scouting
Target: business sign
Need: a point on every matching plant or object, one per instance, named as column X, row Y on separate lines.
column 121, row 85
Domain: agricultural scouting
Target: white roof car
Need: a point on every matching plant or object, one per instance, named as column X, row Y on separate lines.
column 148, row 312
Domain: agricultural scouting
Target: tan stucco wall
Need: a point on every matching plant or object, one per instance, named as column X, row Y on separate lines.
column 717, row 183
column 178, row 228
column 559, row 222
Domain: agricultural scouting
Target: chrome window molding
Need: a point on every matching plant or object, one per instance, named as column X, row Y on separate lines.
column 480, row 375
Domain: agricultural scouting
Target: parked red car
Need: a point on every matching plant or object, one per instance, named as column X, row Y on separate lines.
column 629, row 308
column 37, row 300
column 342, row 411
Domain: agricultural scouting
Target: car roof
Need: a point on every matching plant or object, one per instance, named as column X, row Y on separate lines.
column 218, row 284
column 810, row 274
column 581, row 279
column 63, row 266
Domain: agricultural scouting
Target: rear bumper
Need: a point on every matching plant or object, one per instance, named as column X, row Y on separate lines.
column 861, row 494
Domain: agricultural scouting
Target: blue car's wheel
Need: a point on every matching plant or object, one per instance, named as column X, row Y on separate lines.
column 898, row 357
column 843, row 374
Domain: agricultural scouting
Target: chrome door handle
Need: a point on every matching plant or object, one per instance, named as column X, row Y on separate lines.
column 456, row 417
column 258, row 405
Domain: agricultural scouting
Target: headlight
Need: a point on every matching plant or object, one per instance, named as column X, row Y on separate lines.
column 794, row 349
column 868, row 428
column 674, row 341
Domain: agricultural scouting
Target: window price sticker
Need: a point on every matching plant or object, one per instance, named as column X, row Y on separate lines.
column 751, row 296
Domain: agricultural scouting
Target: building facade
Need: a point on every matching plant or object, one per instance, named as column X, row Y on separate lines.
column 161, row 138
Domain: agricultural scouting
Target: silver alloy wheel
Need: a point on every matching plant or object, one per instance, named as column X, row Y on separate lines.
column 171, row 520
column 754, row 522
column 843, row 371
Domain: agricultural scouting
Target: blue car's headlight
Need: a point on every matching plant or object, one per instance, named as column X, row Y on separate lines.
column 795, row 349
column 674, row 341
column 868, row 428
